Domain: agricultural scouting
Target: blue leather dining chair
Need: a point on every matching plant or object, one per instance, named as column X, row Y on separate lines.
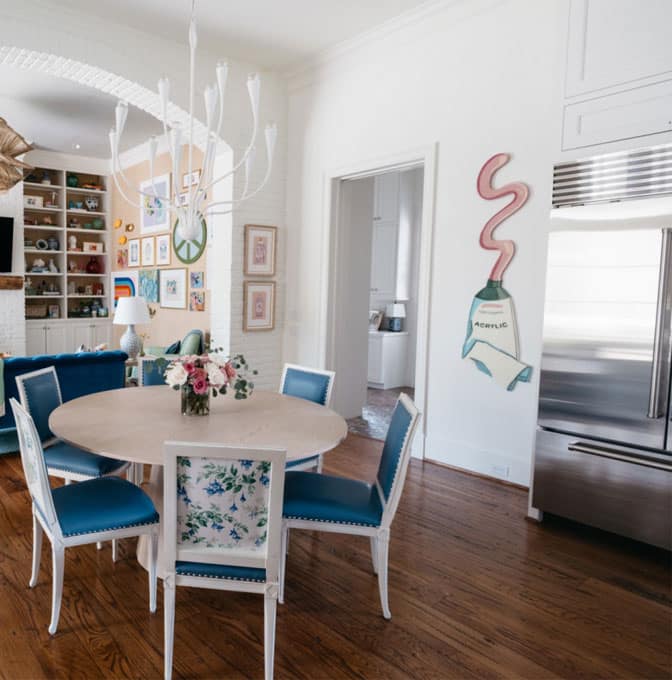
column 92, row 511
column 312, row 384
column 349, row 506
column 40, row 394
column 221, row 528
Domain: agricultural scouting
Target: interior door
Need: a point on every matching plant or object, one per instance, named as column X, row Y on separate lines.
column 601, row 364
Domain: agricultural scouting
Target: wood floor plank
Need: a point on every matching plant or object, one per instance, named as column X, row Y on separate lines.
column 476, row 591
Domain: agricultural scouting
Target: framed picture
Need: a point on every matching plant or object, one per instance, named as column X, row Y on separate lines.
column 53, row 311
column 259, row 250
column 122, row 258
column 33, row 201
column 134, row 252
column 197, row 301
column 163, row 249
column 155, row 213
column 148, row 284
column 258, row 305
column 147, row 251
column 375, row 318
column 196, row 279
column 173, row 288
column 191, row 180
column 124, row 284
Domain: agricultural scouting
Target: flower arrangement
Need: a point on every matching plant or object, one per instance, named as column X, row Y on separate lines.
column 199, row 376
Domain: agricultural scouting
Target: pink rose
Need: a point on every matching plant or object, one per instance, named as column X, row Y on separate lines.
column 229, row 370
column 200, row 382
column 189, row 367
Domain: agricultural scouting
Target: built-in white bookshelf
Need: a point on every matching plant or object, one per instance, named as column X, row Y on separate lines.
column 67, row 226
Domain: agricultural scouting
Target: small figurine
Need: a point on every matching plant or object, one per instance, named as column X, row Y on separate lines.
column 52, row 266
column 91, row 203
column 72, row 242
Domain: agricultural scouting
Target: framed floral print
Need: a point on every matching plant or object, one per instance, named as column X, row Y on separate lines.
column 134, row 252
column 147, row 257
column 154, row 212
column 162, row 250
column 258, row 305
column 173, row 288
column 260, row 247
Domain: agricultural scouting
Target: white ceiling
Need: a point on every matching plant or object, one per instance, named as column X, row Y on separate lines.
column 57, row 114
column 273, row 34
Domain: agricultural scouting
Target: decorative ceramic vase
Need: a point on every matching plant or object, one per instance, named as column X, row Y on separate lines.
column 194, row 404
column 93, row 266
column 72, row 181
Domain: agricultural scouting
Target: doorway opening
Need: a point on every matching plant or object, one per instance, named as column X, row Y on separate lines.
column 377, row 296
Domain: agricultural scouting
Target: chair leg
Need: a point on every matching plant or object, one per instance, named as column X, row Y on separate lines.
column 114, row 549
column 37, row 551
column 383, row 541
column 168, row 625
column 270, row 609
column 284, row 543
column 99, row 545
column 319, row 464
column 374, row 553
column 152, row 573
column 58, row 559
column 67, row 481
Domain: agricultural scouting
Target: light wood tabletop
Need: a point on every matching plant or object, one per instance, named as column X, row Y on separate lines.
column 133, row 423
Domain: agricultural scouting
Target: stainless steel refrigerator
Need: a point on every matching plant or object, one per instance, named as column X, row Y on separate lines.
column 604, row 443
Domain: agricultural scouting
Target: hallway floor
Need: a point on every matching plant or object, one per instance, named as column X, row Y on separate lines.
column 377, row 413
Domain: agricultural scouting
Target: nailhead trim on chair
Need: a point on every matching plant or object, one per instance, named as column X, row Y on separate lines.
column 220, row 578
column 124, row 526
column 328, row 521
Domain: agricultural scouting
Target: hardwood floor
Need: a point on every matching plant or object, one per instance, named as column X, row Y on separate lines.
column 476, row 591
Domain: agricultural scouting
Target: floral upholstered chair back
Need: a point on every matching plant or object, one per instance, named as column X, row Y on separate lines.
column 34, row 467
column 224, row 505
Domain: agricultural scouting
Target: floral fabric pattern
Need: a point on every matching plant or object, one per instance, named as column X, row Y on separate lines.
column 222, row 503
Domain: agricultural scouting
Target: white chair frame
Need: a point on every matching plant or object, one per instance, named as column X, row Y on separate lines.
column 379, row 536
column 330, row 388
column 268, row 559
column 47, row 522
column 69, row 477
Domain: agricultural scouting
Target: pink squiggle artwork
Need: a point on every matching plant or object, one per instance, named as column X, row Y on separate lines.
column 520, row 193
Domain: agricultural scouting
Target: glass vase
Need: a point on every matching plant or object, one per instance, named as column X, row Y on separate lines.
column 194, row 404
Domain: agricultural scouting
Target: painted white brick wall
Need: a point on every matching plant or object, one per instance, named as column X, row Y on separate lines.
column 12, row 324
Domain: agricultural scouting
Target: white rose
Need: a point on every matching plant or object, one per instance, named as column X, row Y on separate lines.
column 215, row 375
column 217, row 359
column 176, row 375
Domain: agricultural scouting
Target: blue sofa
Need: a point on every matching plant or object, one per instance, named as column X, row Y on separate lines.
column 78, row 374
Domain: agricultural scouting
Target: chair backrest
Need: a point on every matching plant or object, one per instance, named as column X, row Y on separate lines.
column 312, row 384
column 152, row 371
column 223, row 505
column 40, row 394
column 396, row 456
column 192, row 343
column 34, row 467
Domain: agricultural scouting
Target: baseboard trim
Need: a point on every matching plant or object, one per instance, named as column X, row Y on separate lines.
column 481, row 475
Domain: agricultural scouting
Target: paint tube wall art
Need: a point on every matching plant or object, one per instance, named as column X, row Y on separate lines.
column 492, row 335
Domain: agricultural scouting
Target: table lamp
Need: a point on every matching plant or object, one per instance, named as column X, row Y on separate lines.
column 395, row 313
column 131, row 310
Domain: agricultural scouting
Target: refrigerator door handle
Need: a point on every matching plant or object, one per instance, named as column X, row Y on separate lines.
column 659, row 376
column 614, row 454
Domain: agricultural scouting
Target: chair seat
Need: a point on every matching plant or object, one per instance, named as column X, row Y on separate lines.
column 220, row 571
column 324, row 498
column 301, row 461
column 62, row 456
column 101, row 505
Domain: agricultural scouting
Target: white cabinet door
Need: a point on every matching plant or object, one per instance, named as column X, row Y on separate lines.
column 79, row 334
column 386, row 197
column 384, row 260
column 101, row 333
column 36, row 341
column 375, row 370
column 57, row 339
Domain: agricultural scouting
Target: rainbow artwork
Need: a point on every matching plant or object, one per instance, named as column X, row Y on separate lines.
column 492, row 333
column 124, row 284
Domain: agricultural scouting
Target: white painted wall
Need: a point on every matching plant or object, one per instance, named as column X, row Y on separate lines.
column 477, row 77
column 49, row 27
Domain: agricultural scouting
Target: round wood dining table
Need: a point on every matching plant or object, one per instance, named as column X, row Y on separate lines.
column 132, row 424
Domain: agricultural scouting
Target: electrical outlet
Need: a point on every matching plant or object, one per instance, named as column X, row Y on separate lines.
column 501, row 471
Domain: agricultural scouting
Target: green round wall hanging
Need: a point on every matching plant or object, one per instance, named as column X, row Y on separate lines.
column 189, row 251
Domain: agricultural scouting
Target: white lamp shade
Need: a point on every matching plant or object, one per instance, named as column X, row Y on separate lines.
column 131, row 310
column 396, row 311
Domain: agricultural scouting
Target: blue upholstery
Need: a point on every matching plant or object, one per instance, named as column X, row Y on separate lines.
column 102, row 504
column 78, row 374
column 153, row 373
column 394, row 442
column 62, row 456
column 301, row 461
column 41, row 399
column 220, row 571
column 192, row 343
column 324, row 498
column 306, row 385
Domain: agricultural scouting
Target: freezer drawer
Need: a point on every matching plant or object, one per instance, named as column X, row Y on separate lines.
column 590, row 482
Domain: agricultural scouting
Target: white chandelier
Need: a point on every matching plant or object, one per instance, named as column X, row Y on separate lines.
column 190, row 217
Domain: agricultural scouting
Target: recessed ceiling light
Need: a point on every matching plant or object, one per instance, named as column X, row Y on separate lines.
column 76, row 146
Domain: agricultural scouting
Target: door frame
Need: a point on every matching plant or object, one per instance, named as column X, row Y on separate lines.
column 425, row 156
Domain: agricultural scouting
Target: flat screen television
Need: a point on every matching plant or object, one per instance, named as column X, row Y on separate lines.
column 6, row 243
